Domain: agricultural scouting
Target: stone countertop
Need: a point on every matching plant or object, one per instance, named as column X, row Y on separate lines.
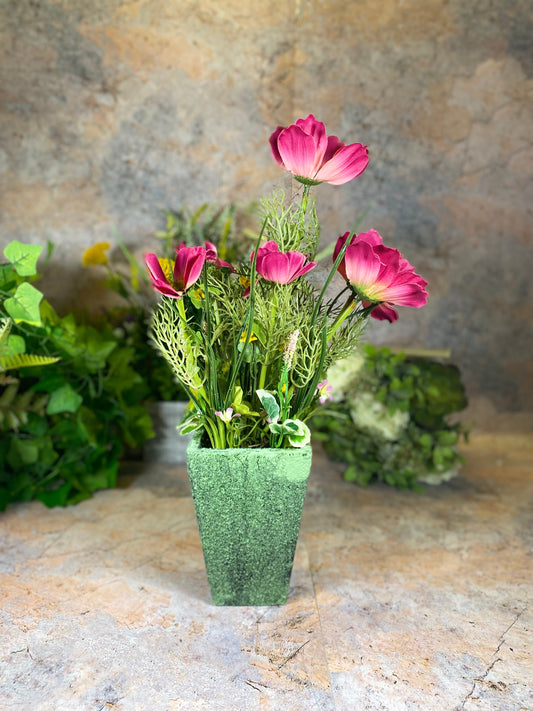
column 398, row 600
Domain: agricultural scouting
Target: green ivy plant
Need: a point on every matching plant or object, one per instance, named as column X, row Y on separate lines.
column 389, row 419
column 71, row 401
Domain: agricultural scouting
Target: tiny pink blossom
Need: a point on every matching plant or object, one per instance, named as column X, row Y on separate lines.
column 280, row 267
column 324, row 392
column 227, row 415
column 380, row 275
column 304, row 149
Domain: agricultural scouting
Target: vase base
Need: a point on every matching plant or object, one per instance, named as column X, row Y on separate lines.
column 258, row 600
column 251, row 603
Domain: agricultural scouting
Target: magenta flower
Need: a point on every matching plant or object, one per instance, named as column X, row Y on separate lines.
column 186, row 270
column 280, row 267
column 304, row 149
column 380, row 275
column 212, row 256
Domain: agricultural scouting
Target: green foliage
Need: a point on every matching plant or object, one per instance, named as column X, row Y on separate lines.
column 65, row 421
column 390, row 422
column 193, row 227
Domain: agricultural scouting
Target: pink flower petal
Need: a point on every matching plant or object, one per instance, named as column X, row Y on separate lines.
column 406, row 295
column 275, row 267
column 211, row 255
column 384, row 312
column 303, row 270
column 390, row 259
column 333, row 146
column 211, row 252
column 157, row 276
column 297, row 150
column 274, row 146
column 339, row 245
column 281, row 267
column 317, row 130
column 346, row 164
column 371, row 237
column 154, row 267
column 188, row 266
column 362, row 265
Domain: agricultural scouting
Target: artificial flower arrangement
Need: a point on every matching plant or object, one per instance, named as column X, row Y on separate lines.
column 251, row 343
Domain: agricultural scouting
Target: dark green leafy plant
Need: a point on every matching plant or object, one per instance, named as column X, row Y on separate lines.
column 390, row 419
column 64, row 422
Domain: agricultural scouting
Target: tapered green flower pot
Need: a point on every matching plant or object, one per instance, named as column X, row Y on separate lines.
column 248, row 505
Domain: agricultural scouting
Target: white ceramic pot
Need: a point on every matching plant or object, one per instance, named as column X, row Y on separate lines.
column 168, row 445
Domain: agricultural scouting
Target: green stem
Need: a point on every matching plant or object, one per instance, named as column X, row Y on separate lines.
column 303, row 211
column 347, row 311
column 181, row 310
column 331, row 274
column 221, row 434
column 247, row 326
column 264, row 367
column 212, row 433
column 304, row 203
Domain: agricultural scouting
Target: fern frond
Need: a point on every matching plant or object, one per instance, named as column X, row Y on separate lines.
column 24, row 360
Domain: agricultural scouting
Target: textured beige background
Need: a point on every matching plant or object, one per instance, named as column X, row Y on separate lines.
column 114, row 110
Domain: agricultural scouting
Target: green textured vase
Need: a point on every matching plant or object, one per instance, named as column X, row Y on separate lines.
column 248, row 506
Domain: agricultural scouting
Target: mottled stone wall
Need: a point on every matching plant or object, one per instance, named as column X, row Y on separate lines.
column 114, row 110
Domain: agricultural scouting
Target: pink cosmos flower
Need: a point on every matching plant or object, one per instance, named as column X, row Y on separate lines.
column 304, row 149
column 280, row 267
column 212, row 256
column 187, row 268
column 380, row 275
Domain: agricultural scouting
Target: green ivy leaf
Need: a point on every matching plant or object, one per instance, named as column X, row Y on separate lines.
column 270, row 404
column 23, row 257
column 24, row 305
column 301, row 436
column 15, row 346
column 65, row 399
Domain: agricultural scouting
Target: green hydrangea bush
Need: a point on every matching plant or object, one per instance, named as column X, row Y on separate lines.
column 389, row 418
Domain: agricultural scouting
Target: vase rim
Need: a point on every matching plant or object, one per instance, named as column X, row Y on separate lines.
column 195, row 445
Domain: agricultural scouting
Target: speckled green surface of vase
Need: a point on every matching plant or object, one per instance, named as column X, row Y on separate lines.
column 248, row 506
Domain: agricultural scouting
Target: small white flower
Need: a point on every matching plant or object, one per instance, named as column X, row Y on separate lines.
column 290, row 348
column 343, row 375
column 372, row 416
